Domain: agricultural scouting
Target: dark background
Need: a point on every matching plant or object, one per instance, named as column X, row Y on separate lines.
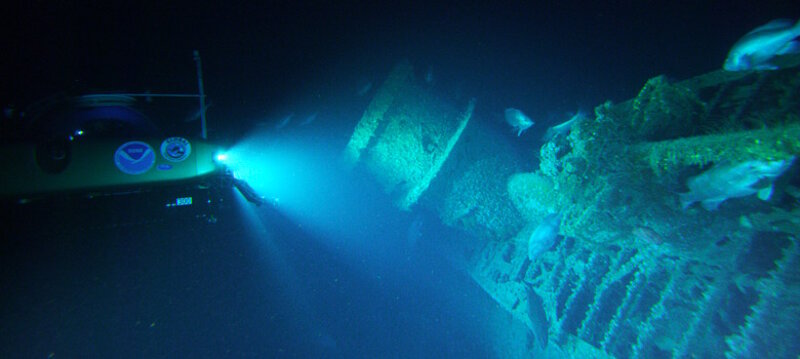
column 260, row 55
column 122, row 280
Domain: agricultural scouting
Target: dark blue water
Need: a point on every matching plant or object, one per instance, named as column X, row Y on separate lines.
column 179, row 286
column 136, row 281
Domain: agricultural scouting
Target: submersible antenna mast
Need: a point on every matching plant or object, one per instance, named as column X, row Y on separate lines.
column 202, row 94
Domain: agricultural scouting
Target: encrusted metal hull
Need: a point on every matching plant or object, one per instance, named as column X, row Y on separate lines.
column 635, row 275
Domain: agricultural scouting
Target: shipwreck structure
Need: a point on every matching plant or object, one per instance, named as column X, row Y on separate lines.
column 634, row 274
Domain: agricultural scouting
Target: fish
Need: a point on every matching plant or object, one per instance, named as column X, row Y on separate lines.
column 284, row 121
column 414, row 232
column 725, row 181
column 196, row 114
column 540, row 326
column 544, row 236
column 429, row 75
column 756, row 48
column 647, row 234
column 564, row 127
column 309, row 120
column 363, row 88
column 518, row 120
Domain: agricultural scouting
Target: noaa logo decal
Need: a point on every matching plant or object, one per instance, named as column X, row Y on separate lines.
column 134, row 157
column 176, row 149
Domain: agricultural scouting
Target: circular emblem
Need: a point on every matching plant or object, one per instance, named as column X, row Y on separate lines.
column 134, row 157
column 176, row 149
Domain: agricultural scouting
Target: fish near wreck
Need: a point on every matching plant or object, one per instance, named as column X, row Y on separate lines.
column 756, row 48
column 724, row 181
column 518, row 120
column 647, row 235
column 544, row 236
column 563, row 128
column 539, row 324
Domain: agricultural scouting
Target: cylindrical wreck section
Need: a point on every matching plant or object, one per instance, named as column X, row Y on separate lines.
column 613, row 185
column 405, row 136
column 414, row 143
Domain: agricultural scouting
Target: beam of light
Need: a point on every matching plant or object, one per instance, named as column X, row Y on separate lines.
column 280, row 270
column 284, row 174
column 302, row 179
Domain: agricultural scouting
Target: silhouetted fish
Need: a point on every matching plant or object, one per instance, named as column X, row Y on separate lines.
column 518, row 120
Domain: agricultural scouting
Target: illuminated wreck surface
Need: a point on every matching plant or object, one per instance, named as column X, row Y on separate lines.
column 633, row 273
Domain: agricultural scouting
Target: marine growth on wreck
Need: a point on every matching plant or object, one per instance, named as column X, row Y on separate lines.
column 669, row 207
column 638, row 259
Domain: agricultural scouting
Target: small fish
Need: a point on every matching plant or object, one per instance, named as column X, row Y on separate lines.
column 544, row 236
column 755, row 49
column 564, row 127
column 309, row 120
column 196, row 114
column 414, row 232
column 429, row 75
column 284, row 121
column 725, row 181
column 647, row 234
column 540, row 326
column 364, row 88
column 518, row 120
